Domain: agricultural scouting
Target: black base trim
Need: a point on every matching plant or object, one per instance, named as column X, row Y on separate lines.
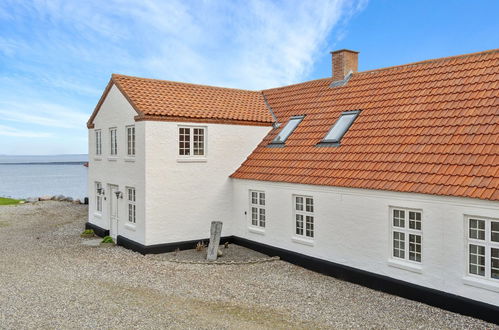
column 432, row 297
column 163, row 248
column 97, row 230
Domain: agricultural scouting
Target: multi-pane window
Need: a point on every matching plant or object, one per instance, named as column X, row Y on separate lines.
column 98, row 142
column 130, row 138
column 257, row 205
column 114, row 141
column 192, row 141
column 406, row 234
column 304, row 216
column 131, row 204
column 98, row 197
column 483, row 247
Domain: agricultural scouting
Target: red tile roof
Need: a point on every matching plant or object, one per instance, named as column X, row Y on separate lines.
column 430, row 127
column 166, row 100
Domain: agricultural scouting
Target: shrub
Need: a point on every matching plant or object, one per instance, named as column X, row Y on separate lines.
column 88, row 232
column 200, row 246
column 107, row 239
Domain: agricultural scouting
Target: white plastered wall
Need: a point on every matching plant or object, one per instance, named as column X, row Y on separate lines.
column 119, row 170
column 183, row 197
column 352, row 227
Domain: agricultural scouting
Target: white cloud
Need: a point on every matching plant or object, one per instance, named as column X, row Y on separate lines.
column 15, row 132
column 43, row 114
column 57, row 55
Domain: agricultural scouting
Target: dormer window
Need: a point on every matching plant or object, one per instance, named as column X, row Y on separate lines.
column 283, row 135
column 333, row 137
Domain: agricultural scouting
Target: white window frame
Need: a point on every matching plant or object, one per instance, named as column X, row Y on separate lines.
column 130, row 140
column 131, row 197
column 407, row 231
column 98, row 142
column 257, row 206
column 113, row 139
column 487, row 243
column 191, row 141
column 98, row 197
column 305, row 213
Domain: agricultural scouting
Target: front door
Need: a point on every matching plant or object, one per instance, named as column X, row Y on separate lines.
column 113, row 214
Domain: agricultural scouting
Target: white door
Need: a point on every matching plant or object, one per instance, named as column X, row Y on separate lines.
column 113, row 214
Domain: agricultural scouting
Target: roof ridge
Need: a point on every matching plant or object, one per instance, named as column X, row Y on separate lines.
column 296, row 84
column 433, row 60
column 113, row 75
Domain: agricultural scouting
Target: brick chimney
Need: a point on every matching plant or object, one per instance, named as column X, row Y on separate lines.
column 344, row 61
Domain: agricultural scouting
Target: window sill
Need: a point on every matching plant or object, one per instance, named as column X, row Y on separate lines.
column 130, row 226
column 97, row 215
column 130, row 159
column 304, row 241
column 481, row 283
column 97, row 158
column 112, row 159
column 256, row 230
column 405, row 266
column 192, row 160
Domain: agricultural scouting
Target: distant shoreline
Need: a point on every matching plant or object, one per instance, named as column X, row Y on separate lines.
column 46, row 163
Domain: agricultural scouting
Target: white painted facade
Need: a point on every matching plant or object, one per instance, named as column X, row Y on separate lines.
column 177, row 197
column 353, row 227
column 120, row 170
column 184, row 194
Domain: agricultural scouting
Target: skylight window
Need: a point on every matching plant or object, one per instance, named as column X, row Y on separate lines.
column 341, row 127
column 287, row 130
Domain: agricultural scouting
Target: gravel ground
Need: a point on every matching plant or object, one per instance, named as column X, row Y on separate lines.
column 48, row 279
column 233, row 253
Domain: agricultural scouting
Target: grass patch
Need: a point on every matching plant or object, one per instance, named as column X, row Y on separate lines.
column 8, row 201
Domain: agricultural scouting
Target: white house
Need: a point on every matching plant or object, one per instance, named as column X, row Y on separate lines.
column 388, row 178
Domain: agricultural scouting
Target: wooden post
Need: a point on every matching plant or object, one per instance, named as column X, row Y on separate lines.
column 215, row 233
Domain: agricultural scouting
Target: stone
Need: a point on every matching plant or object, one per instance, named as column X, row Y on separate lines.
column 60, row 197
column 219, row 253
column 68, row 199
column 45, row 198
column 77, row 201
column 215, row 233
column 31, row 199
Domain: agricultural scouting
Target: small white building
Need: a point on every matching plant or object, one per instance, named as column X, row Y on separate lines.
column 388, row 178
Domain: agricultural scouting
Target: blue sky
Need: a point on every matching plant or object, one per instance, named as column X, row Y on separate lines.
column 57, row 56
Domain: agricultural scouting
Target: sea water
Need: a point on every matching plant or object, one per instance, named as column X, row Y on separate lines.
column 35, row 176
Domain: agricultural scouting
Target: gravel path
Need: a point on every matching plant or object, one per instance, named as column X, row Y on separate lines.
column 48, row 279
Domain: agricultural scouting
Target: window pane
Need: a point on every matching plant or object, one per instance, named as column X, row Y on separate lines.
column 414, row 220
column 477, row 229
column 262, row 217
column 494, row 231
column 299, row 224
column 254, row 216
column 477, row 259
column 399, row 218
column 262, row 198
column 398, row 244
column 494, row 263
column 198, row 143
column 309, row 226
column 309, row 204
column 287, row 130
column 415, row 247
column 184, row 139
column 254, row 197
column 340, row 127
column 299, row 203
